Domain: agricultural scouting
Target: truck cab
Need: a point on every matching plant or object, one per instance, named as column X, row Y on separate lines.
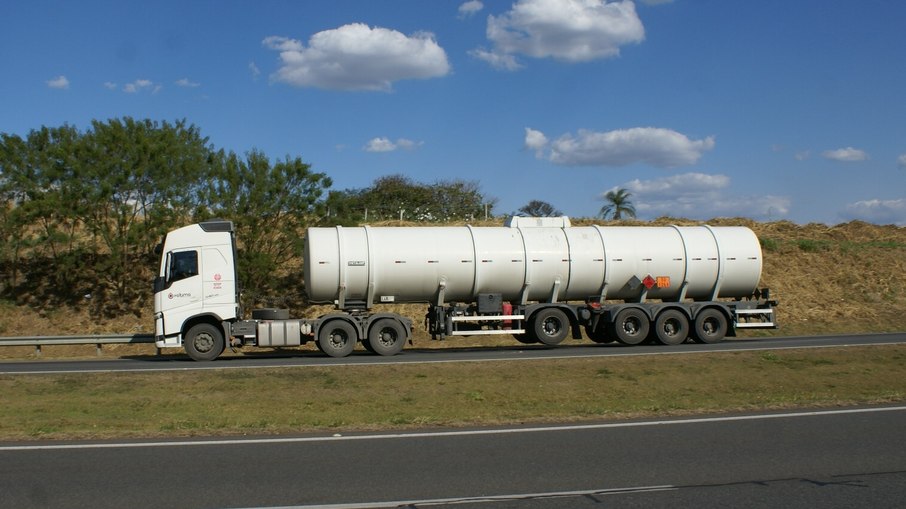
column 196, row 287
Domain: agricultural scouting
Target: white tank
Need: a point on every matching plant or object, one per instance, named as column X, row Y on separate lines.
column 526, row 262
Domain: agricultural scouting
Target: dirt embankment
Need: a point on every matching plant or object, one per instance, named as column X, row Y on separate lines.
column 829, row 279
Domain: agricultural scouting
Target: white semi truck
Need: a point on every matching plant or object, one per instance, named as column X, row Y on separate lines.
column 539, row 279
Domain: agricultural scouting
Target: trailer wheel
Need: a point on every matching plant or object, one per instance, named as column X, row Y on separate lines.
column 204, row 342
column 710, row 326
column 550, row 326
column 671, row 327
column 631, row 326
column 386, row 337
column 526, row 339
column 337, row 338
column 598, row 335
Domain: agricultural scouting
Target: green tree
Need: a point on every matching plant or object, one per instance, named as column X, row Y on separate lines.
column 82, row 210
column 398, row 196
column 137, row 179
column 538, row 208
column 617, row 204
column 459, row 200
column 270, row 204
column 39, row 223
column 395, row 197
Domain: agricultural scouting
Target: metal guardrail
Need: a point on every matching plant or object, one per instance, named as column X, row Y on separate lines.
column 98, row 340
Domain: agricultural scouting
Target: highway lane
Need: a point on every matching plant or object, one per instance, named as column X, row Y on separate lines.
column 837, row 458
column 522, row 352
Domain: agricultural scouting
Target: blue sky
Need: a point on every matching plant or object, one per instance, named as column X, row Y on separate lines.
column 700, row 108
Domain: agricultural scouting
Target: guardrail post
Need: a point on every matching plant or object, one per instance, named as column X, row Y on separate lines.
column 98, row 349
column 37, row 350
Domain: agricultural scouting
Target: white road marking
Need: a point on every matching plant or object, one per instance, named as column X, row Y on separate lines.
column 585, row 354
column 478, row 500
column 436, row 434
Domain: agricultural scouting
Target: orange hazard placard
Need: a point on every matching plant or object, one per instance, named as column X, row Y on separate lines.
column 663, row 281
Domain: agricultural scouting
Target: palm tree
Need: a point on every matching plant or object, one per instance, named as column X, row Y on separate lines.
column 618, row 204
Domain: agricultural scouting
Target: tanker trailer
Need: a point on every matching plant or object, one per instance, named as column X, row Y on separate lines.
column 525, row 278
column 539, row 279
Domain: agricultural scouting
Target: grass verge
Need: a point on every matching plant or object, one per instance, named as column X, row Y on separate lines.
column 303, row 399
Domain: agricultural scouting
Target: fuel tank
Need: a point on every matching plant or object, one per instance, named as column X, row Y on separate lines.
column 529, row 261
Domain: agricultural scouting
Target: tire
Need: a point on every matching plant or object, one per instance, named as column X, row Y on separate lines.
column 270, row 314
column 386, row 337
column 671, row 327
column 337, row 338
column 526, row 339
column 598, row 335
column 204, row 342
column 631, row 326
column 550, row 326
column 710, row 326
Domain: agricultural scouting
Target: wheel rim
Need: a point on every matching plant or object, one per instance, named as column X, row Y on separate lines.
column 671, row 327
column 338, row 339
column 387, row 337
column 551, row 326
column 203, row 343
column 710, row 326
column 631, row 326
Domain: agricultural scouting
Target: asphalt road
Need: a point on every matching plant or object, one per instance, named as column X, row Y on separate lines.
column 522, row 352
column 842, row 458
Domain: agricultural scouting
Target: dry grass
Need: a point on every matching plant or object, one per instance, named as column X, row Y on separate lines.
column 301, row 399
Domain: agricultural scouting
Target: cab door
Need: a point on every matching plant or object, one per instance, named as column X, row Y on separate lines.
column 181, row 292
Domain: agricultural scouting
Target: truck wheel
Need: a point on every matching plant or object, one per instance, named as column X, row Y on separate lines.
column 550, row 326
column 710, row 326
column 337, row 338
column 526, row 339
column 204, row 342
column 631, row 326
column 671, row 327
column 598, row 335
column 386, row 337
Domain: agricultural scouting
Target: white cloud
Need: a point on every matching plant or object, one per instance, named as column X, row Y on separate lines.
column 470, row 8
column 406, row 144
column 109, row 85
column 847, row 154
column 535, row 140
column 901, row 161
column 139, row 85
column 878, row 211
column 499, row 61
column 255, row 72
column 802, row 155
column 383, row 144
column 60, row 83
column 656, row 146
column 569, row 30
column 185, row 83
column 379, row 145
column 700, row 196
column 358, row 57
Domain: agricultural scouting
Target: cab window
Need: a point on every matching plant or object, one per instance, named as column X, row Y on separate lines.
column 183, row 265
